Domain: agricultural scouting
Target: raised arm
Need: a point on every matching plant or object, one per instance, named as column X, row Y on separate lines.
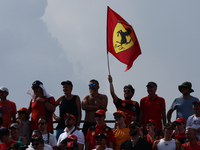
column 112, row 92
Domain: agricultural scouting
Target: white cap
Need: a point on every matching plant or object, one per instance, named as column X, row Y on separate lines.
column 4, row 89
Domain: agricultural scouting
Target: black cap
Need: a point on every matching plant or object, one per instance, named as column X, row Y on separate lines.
column 67, row 82
column 134, row 123
column 151, row 84
column 36, row 83
column 169, row 125
column 37, row 139
column 101, row 135
column 3, row 132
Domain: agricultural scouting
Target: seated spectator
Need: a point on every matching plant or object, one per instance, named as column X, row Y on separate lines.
column 8, row 108
column 167, row 143
column 180, row 134
column 41, row 104
column 72, row 146
column 100, row 127
column 7, row 142
column 101, row 142
column 19, row 146
column 151, row 129
column 121, row 131
column 70, row 138
column 14, row 131
column 192, row 143
column 135, row 142
column 70, row 121
column 48, row 138
column 37, row 143
column 194, row 120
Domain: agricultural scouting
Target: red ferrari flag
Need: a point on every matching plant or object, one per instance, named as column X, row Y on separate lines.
column 121, row 39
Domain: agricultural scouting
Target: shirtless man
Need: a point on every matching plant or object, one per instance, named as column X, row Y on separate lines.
column 91, row 103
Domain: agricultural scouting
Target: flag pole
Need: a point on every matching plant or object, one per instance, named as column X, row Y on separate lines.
column 108, row 64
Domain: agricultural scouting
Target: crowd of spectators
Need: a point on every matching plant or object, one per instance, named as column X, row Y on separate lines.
column 138, row 126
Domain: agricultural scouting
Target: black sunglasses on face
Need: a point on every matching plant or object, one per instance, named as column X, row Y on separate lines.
column 21, row 112
column 178, row 123
column 35, row 87
column 149, row 124
column 42, row 123
column 133, row 127
column 98, row 116
column 117, row 117
column 69, row 118
column 35, row 144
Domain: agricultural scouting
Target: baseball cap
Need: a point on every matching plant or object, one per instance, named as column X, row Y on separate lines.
column 151, row 84
column 134, row 123
column 67, row 82
column 3, row 88
column 101, row 112
column 37, row 139
column 72, row 144
column 19, row 144
column 101, row 135
column 151, row 121
column 120, row 113
column 169, row 125
column 73, row 137
column 70, row 115
column 14, row 125
column 23, row 109
column 186, row 85
column 3, row 132
column 180, row 120
column 36, row 83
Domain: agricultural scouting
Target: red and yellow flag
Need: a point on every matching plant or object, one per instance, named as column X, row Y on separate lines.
column 121, row 39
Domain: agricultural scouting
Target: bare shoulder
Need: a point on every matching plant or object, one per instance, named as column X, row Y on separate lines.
column 103, row 96
column 86, row 97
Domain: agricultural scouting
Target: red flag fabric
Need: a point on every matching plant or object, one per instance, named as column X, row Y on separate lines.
column 121, row 39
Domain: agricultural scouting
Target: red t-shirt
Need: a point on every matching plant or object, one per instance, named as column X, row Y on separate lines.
column 152, row 109
column 7, row 110
column 94, row 131
column 3, row 146
column 187, row 146
column 38, row 110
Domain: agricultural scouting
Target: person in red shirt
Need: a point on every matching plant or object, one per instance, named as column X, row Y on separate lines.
column 192, row 143
column 41, row 104
column 100, row 127
column 152, row 107
column 128, row 106
column 7, row 142
column 180, row 134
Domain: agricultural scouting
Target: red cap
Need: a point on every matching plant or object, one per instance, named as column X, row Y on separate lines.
column 70, row 115
column 24, row 109
column 101, row 112
column 73, row 137
column 180, row 120
column 151, row 121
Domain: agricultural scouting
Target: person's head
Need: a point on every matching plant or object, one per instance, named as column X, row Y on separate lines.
column 151, row 88
column 67, row 87
column 1, row 119
column 133, row 128
column 72, row 146
column 101, row 139
column 93, row 86
column 3, row 93
column 70, row 120
column 190, row 134
column 4, row 135
column 36, row 86
column 168, row 129
column 23, row 114
column 19, row 146
column 36, row 133
column 185, row 88
column 72, row 138
column 180, row 124
column 196, row 107
column 150, row 125
column 128, row 91
column 42, row 123
column 100, row 116
column 14, row 130
column 37, row 143
column 119, row 117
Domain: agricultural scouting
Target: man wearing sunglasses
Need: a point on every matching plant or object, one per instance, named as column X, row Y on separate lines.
column 70, row 121
column 101, row 142
column 37, row 143
column 8, row 108
column 128, row 106
column 100, row 127
column 180, row 134
column 91, row 103
column 135, row 142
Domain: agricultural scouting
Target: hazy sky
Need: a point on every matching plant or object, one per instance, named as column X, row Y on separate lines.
column 62, row 40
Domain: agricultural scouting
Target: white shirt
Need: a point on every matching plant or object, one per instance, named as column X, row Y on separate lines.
column 166, row 145
column 79, row 134
column 52, row 139
column 194, row 121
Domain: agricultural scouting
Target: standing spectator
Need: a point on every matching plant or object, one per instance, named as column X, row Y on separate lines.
column 192, row 143
column 167, row 143
column 68, row 103
column 41, row 104
column 121, row 131
column 70, row 121
column 152, row 107
column 100, row 127
column 135, row 142
column 91, row 103
column 180, row 134
column 194, row 120
column 101, row 142
column 128, row 106
column 183, row 104
column 7, row 142
column 47, row 137
column 24, row 123
column 7, row 108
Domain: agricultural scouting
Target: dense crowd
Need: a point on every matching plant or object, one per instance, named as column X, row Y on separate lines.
column 138, row 126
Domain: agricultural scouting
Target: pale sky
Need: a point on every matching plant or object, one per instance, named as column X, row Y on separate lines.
column 53, row 41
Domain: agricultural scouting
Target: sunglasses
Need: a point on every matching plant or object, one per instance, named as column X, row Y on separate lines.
column 35, row 87
column 133, row 128
column 92, row 85
column 117, row 117
column 178, row 123
column 42, row 123
column 69, row 118
column 21, row 112
column 128, row 91
column 149, row 124
column 35, row 144
column 99, row 139
column 98, row 116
